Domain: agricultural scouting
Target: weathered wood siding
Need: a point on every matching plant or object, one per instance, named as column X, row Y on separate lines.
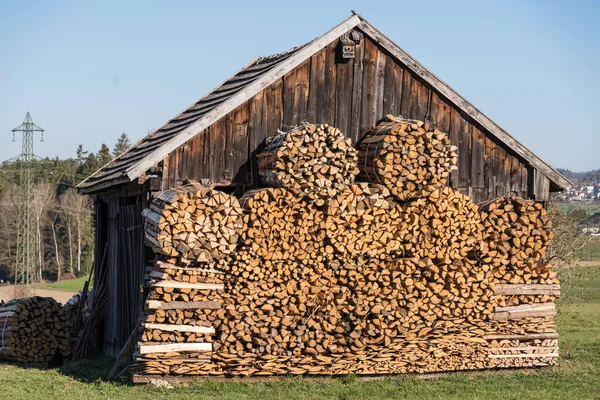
column 352, row 96
column 126, row 259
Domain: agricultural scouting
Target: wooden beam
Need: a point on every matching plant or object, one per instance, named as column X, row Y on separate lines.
column 520, row 289
column 463, row 104
column 181, row 328
column 548, row 355
column 524, row 348
column 165, row 265
column 524, row 311
column 241, row 97
column 182, row 305
column 175, row 347
column 526, row 336
column 187, row 285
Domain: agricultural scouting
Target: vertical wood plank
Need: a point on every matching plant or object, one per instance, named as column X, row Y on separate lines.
column 357, row 79
column 343, row 96
column 217, row 134
column 489, row 172
column 328, row 105
column 413, row 101
column 524, row 180
column 172, row 169
column 301, row 88
column 455, row 140
column 236, row 166
column 406, row 93
column 368, row 117
column 379, row 85
column 422, row 102
column 289, row 86
column 316, row 88
column 464, row 154
column 392, row 96
column 165, row 174
column 273, row 109
column 477, row 158
column 255, row 133
column 440, row 114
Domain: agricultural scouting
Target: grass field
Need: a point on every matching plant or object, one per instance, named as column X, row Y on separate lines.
column 576, row 377
column 71, row 285
column 589, row 207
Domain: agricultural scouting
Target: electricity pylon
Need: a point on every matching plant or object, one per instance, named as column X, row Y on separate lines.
column 26, row 237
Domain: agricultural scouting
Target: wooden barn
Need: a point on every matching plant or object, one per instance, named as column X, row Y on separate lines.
column 350, row 77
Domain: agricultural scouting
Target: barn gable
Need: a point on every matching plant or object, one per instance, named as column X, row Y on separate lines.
column 213, row 140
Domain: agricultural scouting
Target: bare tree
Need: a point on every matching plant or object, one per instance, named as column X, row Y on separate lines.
column 9, row 220
column 44, row 199
column 77, row 211
column 568, row 240
column 56, row 251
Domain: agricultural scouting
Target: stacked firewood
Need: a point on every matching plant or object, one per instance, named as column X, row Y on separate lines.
column 177, row 329
column 394, row 275
column 317, row 160
column 193, row 223
column 33, row 329
column 516, row 235
column 410, row 157
column 362, row 220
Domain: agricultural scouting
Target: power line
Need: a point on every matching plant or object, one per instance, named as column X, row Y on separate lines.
column 25, row 254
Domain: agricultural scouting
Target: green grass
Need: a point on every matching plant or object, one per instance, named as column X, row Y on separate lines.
column 589, row 207
column 71, row 285
column 591, row 252
column 576, row 377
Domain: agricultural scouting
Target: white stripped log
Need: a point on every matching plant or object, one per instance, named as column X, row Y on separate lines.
column 187, row 285
column 174, row 347
column 181, row 328
column 527, row 336
column 524, row 311
column 533, row 289
column 548, row 355
column 525, row 348
column 182, row 305
column 166, row 265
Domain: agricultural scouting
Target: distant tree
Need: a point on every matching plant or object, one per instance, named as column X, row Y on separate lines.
column 77, row 212
column 43, row 200
column 103, row 155
column 123, row 144
column 81, row 155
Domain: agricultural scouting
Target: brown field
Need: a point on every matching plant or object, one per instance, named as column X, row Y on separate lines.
column 7, row 292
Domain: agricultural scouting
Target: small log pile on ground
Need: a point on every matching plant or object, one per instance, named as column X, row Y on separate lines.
column 394, row 275
column 316, row 160
column 33, row 330
column 193, row 223
column 410, row 157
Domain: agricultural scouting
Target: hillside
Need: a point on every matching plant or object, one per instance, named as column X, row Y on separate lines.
column 581, row 177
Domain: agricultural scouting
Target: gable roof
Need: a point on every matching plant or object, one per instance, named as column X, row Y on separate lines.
column 260, row 74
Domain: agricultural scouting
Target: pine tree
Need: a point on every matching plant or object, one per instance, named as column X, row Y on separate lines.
column 81, row 155
column 123, row 144
column 103, row 155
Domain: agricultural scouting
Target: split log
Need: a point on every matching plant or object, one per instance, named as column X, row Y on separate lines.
column 193, row 224
column 317, row 160
column 410, row 157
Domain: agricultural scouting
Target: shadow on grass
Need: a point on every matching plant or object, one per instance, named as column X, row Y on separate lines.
column 90, row 370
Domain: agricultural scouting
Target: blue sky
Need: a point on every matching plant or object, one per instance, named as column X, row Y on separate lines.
column 88, row 71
